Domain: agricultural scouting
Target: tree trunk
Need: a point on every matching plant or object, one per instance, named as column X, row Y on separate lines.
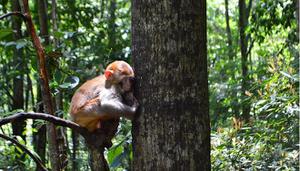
column 112, row 30
column 96, row 159
column 244, row 59
column 54, row 19
column 61, row 132
column 40, row 135
column 228, row 31
column 75, row 142
column 298, row 22
column 172, row 130
column 231, row 55
column 18, row 85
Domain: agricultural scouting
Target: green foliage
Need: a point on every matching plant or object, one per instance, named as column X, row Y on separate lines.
column 271, row 140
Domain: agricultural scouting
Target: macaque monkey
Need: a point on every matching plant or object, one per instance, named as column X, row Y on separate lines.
column 104, row 97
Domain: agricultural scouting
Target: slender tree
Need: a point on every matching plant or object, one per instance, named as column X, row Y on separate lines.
column 61, row 132
column 172, row 129
column 40, row 136
column 244, row 49
column 228, row 31
column 18, row 81
column 112, row 29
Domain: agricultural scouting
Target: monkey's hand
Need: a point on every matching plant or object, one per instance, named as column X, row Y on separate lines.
column 135, row 103
column 130, row 100
column 116, row 108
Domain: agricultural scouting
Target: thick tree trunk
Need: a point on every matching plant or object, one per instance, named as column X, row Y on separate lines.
column 18, row 85
column 243, row 22
column 172, row 130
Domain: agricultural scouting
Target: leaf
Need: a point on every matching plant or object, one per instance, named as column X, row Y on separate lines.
column 294, row 78
column 5, row 32
column 113, row 153
column 117, row 161
column 58, row 34
column 21, row 43
column 70, row 83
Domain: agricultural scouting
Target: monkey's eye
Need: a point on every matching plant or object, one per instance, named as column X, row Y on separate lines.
column 131, row 79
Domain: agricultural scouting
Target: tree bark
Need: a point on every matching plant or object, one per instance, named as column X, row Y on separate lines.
column 54, row 20
column 18, row 126
column 96, row 159
column 243, row 22
column 112, row 30
column 172, row 128
column 61, row 132
column 40, row 135
column 75, row 142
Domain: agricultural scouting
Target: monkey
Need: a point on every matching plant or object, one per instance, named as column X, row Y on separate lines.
column 103, row 97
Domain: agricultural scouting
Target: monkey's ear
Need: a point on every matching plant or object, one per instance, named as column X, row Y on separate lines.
column 108, row 74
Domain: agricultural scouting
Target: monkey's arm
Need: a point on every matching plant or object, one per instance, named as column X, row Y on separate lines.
column 116, row 109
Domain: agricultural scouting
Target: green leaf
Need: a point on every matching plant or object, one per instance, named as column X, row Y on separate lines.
column 70, row 83
column 113, row 153
column 5, row 32
column 21, row 43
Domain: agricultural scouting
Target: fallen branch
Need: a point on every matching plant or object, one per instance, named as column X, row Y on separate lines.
column 24, row 149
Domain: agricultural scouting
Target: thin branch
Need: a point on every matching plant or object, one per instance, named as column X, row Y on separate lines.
column 16, row 13
column 8, row 93
column 24, row 149
column 250, row 47
column 43, row 116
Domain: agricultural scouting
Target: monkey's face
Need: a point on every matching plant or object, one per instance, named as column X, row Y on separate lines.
column 126, row 84
column 117, row 71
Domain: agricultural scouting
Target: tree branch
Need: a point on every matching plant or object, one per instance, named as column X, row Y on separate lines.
column 43, row 116
column 98, row 138
column 16, row 13
column 24, row 149
column 250, row 47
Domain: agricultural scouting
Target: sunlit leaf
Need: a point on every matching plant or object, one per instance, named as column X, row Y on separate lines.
column 70, row 82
